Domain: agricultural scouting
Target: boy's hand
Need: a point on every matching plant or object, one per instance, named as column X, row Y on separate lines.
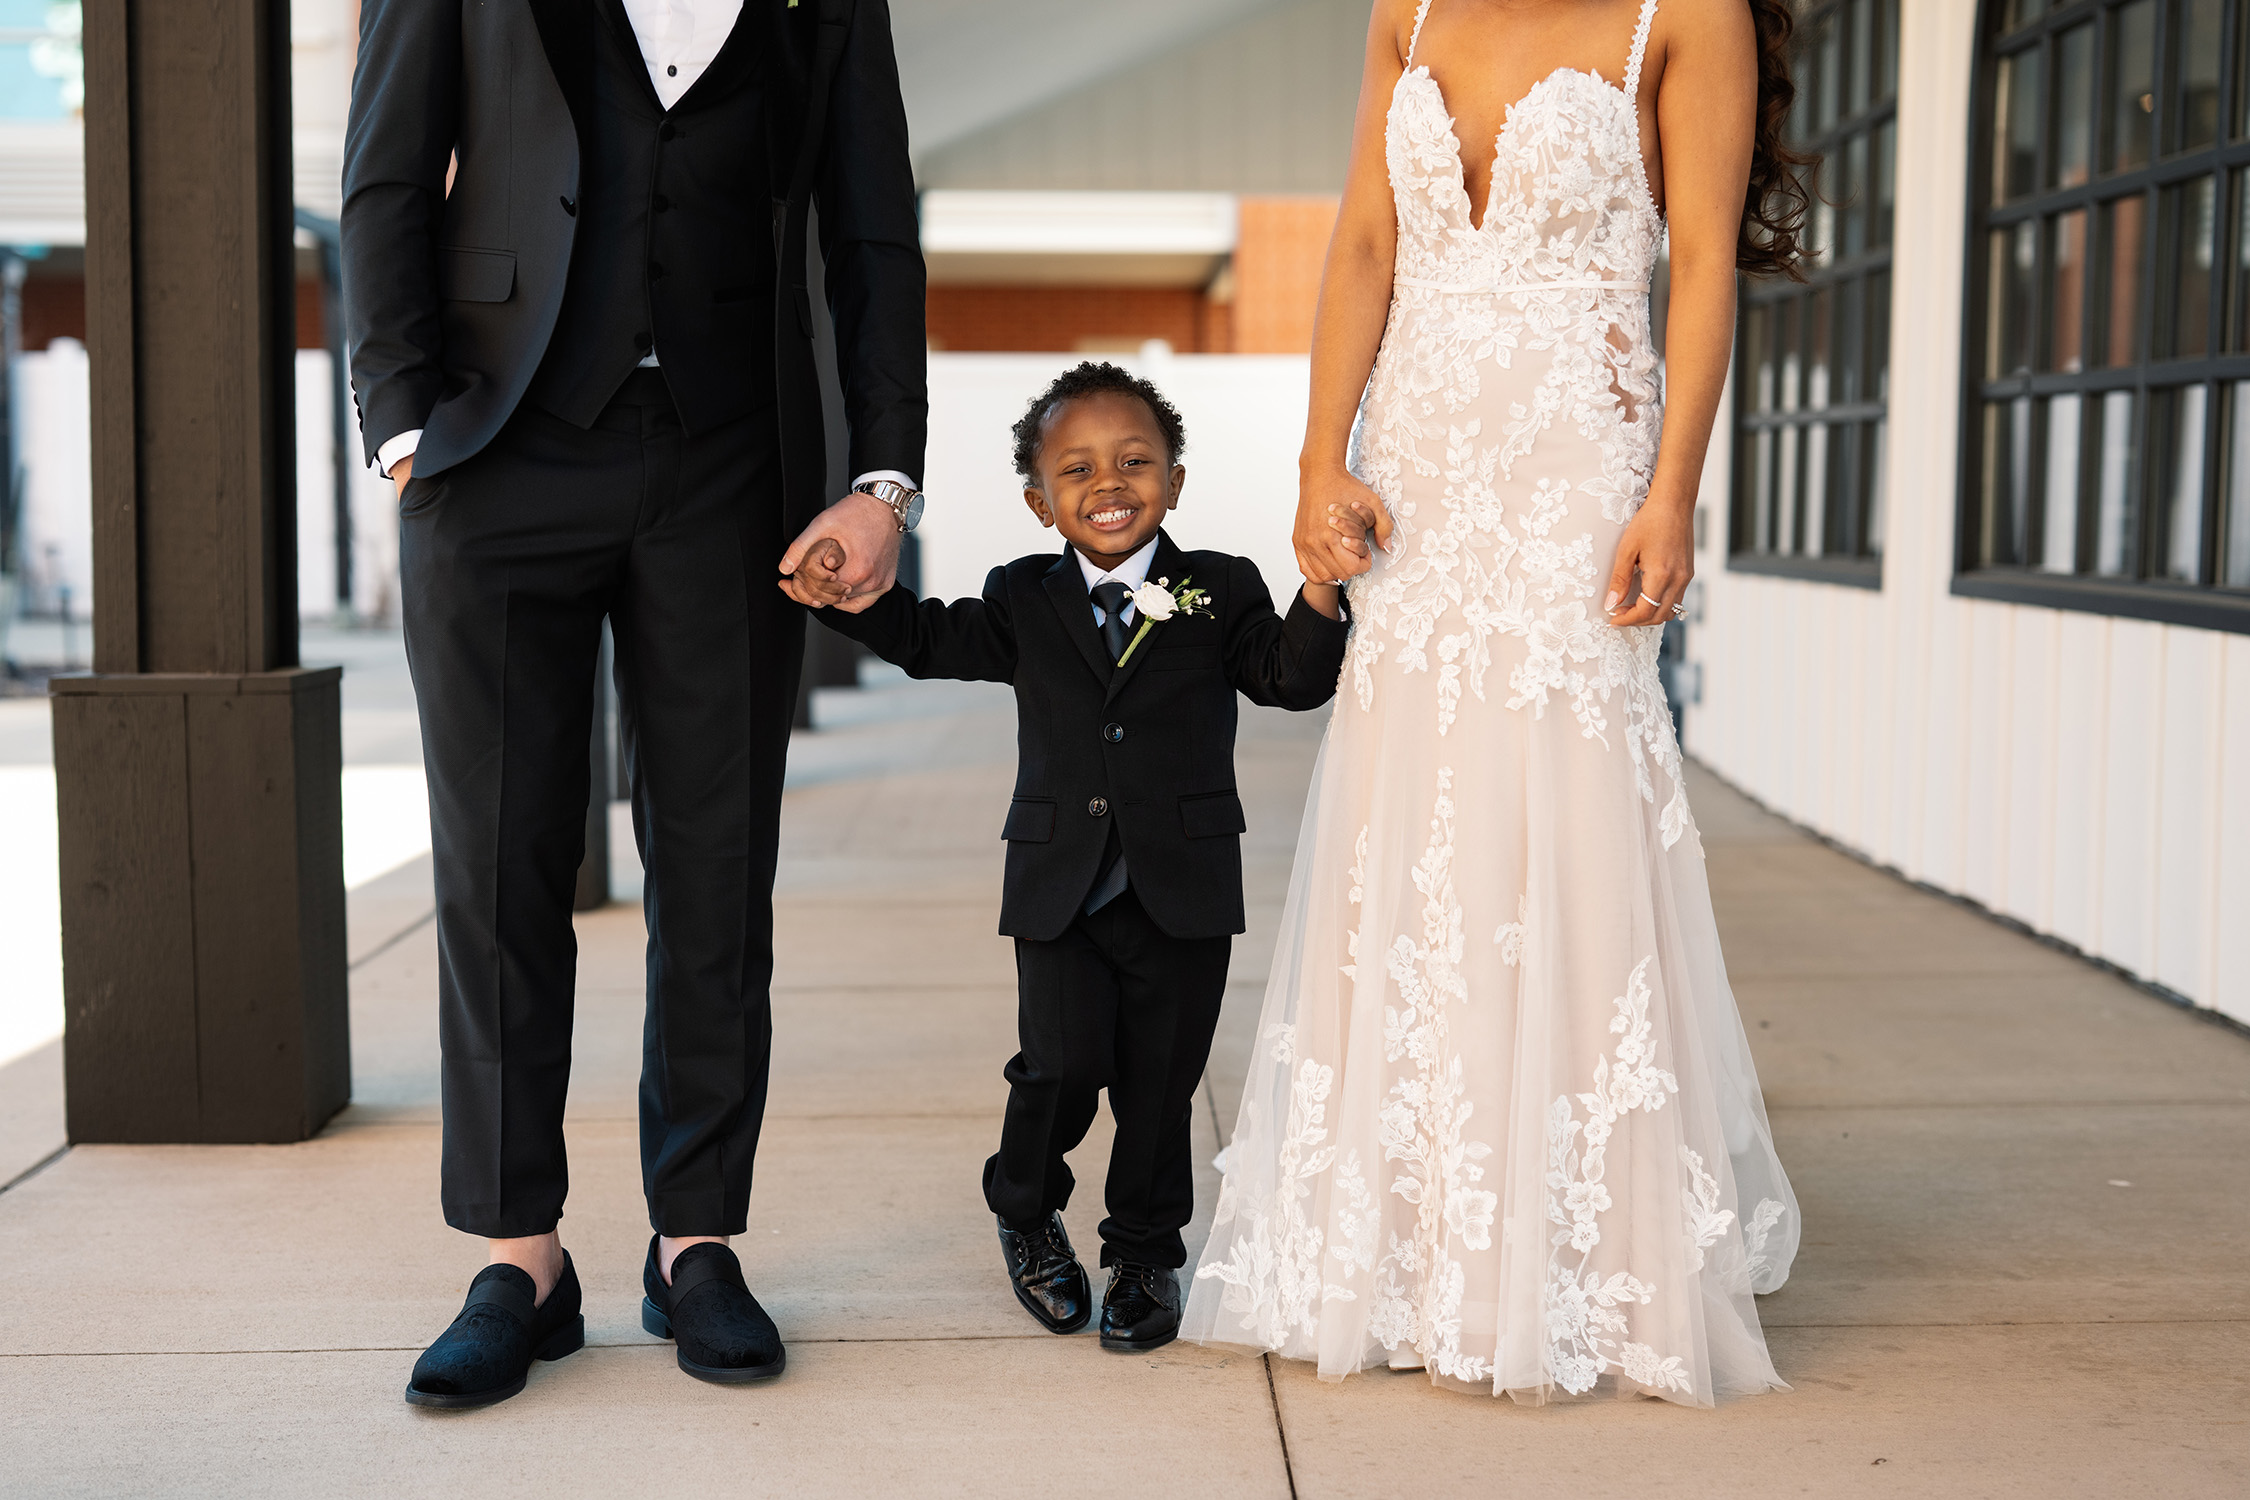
column 865, row 534
column 818, row 582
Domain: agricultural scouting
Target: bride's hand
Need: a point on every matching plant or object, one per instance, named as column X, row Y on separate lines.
column 1335, row 514
column 1658, row 545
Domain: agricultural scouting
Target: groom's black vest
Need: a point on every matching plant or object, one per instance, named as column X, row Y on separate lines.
column 675, row 238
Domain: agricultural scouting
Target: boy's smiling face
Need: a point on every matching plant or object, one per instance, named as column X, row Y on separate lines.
column 1106, row 480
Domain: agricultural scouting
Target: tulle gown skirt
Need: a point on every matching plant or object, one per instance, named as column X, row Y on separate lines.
column 1501, row 1121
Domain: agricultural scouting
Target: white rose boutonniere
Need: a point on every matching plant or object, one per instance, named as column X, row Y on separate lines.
column 1158, row 602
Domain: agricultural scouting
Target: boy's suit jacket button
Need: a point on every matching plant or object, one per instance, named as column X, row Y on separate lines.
column 1114, row 733
column 1099, row 807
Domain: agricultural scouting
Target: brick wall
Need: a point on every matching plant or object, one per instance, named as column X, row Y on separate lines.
column 1263, row 304
column 1280, row 246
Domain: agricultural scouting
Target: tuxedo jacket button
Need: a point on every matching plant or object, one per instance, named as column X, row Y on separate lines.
column 570, row 208
column 1114, row 733
column 1099, row 807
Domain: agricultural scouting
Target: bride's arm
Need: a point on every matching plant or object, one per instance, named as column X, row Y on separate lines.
column 1706, row 115
column 1355, row 301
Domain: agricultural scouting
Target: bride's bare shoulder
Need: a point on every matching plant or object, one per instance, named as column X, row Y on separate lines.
column 1393, row 21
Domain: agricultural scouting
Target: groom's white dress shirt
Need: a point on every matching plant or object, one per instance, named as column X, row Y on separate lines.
column 678, row 38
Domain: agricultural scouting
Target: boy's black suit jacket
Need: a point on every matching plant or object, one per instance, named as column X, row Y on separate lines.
column 1149, row 745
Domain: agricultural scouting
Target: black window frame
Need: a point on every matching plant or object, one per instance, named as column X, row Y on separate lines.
column 1858, row 429
column 2226, row 163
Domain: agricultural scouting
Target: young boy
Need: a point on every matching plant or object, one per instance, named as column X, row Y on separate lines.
column 1124, row 876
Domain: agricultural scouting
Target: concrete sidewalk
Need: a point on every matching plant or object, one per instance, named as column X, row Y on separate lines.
column 2026, row 1187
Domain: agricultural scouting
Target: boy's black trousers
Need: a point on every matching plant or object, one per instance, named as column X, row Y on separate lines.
column 510, row 561
column 1113, row 1003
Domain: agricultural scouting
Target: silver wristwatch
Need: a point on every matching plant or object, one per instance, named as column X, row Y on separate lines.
column 905, row 504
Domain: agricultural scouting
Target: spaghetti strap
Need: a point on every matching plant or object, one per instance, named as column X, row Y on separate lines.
column 1633, row 62
column 1422, row 13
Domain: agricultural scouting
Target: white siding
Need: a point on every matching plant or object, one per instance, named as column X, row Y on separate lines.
column 2068, row 770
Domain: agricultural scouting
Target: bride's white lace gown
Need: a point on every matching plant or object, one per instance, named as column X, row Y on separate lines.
column 1502, row 1120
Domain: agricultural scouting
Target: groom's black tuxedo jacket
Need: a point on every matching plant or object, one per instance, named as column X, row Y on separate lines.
column 480, row 127
column 1148, row 746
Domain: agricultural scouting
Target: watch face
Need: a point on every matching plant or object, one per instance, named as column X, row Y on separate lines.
column 913, row 514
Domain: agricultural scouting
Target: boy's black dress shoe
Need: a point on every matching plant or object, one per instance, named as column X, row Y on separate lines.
column 483, row 1356
column 723, row 1334
column 1049, row 1281
column 1142, row 1309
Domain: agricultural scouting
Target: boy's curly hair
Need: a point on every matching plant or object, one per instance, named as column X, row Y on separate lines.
column 1090, row 379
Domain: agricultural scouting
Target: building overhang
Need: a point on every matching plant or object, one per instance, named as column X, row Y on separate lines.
column 975, row 238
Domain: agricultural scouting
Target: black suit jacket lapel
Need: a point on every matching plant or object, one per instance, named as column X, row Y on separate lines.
column 1166, row 562
column 1066, row 590
column 621, row 31
column 566, row 31
column 737, row 61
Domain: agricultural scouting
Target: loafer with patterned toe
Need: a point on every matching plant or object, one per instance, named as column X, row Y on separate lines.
column 723, row 1335
column 486, row 1354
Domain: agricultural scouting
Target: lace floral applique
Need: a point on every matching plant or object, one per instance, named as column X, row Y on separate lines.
column 1424, row 1124
column 1584, row 1320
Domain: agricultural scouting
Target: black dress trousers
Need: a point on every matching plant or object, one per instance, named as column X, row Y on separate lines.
column 1113, row 1003
column 509, row 563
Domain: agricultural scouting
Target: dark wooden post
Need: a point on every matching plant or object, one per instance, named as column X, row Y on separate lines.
column 198, row 768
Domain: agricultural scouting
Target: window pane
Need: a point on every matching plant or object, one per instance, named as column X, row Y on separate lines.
column 2116, row 542
column 1885, row 188
column 1758, row 357
column 2238, row 338
column 1878, row 380
column 2015, row 132
column 1787, row 350
column 1831, row 71
column 2124, row 245
column 1816, row 370
column 2132, row 85
column 1886, row 48
column 1855, row 195
column 2176, row 432
column 2058, row 543
column 2234, row 568
column 1817, row 479
column 2014, row 284
column 2074, row 107
column 1863, row 52
column 2066, row 293
column 2190, row 222
column 1761, row 495
column 1871, row 503
column 2007, row 482
column 2024, row 12
column 1849, row 360
column 2196, row 116
column 1785, row 494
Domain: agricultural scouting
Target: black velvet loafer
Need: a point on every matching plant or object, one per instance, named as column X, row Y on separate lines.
column 724, row 1336
column 485, row 1354
column 1142, row 1309
column 1044, row 1270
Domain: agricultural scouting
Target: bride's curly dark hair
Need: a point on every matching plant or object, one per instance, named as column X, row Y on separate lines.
column 1773, row 216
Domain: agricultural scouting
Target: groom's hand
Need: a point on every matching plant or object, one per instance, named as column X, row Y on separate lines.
column 867, row 531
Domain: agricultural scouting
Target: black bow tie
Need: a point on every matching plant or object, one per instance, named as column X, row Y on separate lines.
column 1112, row 596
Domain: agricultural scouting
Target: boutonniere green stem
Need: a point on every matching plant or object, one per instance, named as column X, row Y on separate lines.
column 1158, row 602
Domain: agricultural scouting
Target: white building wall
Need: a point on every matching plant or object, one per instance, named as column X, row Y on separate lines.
column 1245, row 419
column 2065, row 769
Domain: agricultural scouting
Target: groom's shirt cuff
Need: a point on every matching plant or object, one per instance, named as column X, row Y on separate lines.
column 893, row 475
column 387, row 457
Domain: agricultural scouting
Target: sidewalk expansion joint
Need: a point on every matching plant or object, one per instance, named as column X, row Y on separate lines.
column 396, row 938
column 36, row 1167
